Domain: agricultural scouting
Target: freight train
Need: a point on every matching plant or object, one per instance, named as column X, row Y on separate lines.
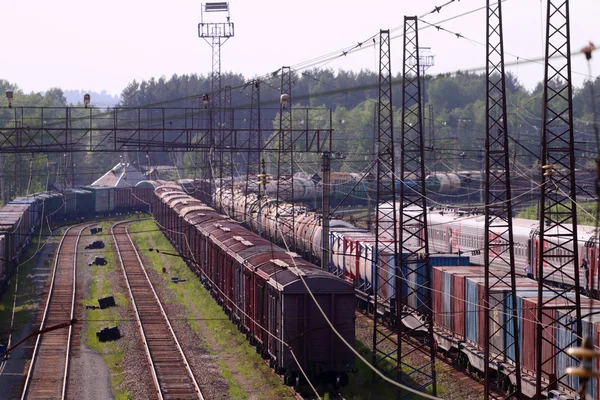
column 457, row 296
column 272, row 295
column 358, row 189
column 346, row 189
column 23, row 216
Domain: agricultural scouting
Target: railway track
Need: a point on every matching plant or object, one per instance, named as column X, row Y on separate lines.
column 49, row 367
column 171, row 372
column 466, row 384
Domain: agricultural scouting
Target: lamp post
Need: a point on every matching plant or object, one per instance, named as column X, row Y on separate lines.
column 9, row 97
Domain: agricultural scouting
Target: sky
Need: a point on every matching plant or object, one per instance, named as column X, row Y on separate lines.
column 106, row 45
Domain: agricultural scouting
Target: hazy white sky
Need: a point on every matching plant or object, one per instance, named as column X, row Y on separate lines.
column 106, row 45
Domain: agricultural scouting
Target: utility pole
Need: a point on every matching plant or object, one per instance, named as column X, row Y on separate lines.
column 413, row 234
column 558, row 213
column 498, row 234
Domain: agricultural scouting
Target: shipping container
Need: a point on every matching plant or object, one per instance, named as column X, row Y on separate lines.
column 529, row 325
column 103, row 199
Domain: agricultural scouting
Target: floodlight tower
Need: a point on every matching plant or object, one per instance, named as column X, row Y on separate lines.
column 215, row 34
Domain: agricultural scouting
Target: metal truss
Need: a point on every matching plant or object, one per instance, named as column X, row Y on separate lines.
column 557, row 246
column 125, row 130
column 226, row 145
column 386, row 347
column 414, row 275
column 254, row 142
column 502, row 343
column 285, row 162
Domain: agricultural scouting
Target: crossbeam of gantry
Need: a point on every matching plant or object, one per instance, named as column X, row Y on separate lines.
column 49, row 130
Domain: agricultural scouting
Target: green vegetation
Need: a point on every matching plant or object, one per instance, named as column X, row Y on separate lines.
column 236, row 356
column 458, row 119
column 101, row 286
column 362, row 386
column 586, row 213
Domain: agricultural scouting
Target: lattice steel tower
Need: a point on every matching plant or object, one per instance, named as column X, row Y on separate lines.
column 215, row 34
column 254, row 141
column 285, row 161
column 413, row 235
column 226, row 167
column 386, row 349
column 501, row 343
column 557, row 246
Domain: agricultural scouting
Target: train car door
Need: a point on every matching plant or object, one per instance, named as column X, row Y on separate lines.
column 273, row 321
column 261, row 316
column 249, row 302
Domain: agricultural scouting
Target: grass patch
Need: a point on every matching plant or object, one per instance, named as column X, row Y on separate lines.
column 194, row 297
column 100, row 286
column 586, row 213
column 363, row 387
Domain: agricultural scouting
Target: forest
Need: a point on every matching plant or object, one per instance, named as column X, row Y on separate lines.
column 453, row 120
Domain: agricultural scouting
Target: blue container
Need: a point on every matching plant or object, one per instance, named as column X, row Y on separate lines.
column 565, row 338
column 449, row 260
column 509, row 333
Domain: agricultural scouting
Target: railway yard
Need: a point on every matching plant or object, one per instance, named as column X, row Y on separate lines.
column 311, row 232
column 103, row 370
column 160, row 306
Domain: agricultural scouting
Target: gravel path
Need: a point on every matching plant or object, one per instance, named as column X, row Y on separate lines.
column 89, row 376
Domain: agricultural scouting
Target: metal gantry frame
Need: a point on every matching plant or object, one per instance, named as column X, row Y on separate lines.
column 415, row 299
column 285, row 160
column 386, row 348
column 500, row 330
column 557, row 246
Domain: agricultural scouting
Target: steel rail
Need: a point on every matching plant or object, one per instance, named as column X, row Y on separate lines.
column 156, row 374
column 27, row 389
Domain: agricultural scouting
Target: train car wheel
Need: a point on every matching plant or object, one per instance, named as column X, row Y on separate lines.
column 289, row 379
